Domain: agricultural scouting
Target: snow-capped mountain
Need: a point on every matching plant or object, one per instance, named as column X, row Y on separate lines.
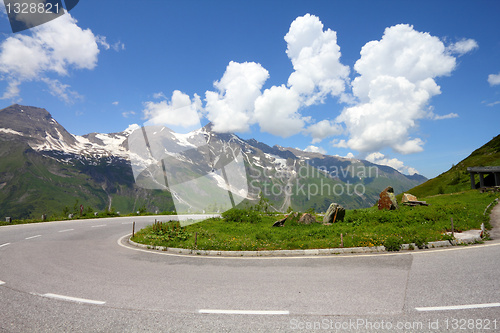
column 143, row 164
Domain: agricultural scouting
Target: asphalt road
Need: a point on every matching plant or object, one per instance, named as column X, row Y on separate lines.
column 81, row 276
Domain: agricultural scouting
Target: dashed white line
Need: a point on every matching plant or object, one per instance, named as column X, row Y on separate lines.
column 459, row 307
column 66, row 230
column 73, row 299
column 245, row 312
column 1, row 282
column 97, row 226
column 27, row 238
column 4, row 244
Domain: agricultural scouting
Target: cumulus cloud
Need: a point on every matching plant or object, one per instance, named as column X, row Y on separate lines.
column 318, row 73
column 394, row 86
column 315, row 149
column 494, row 79
column 231, row 108
column 179, row 111
column 277, row 112
column 323, row 129
column 52, row 48
column 315, row 57
column 381, row 159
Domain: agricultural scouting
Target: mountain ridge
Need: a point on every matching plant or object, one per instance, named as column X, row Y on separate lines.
column 32, row 134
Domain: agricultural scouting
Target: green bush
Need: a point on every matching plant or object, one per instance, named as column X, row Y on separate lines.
column 419, row 241
column 241, row 215
column 171, row 230
column 393, row 243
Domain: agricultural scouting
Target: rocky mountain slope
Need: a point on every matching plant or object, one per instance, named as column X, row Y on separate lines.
column 46, row 169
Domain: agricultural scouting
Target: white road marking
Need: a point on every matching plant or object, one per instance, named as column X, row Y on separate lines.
column 127, row 222
column 1, row 282
column 458, row 307
column 33, row 237
column 73, row 299
column 97, row 226
column 4, row 244
column 66, row 230
column 246, row 312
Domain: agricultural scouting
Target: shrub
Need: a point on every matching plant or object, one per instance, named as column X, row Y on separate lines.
column 393, row 243
column 171, row 230
column 241, row 215
column 420, row 241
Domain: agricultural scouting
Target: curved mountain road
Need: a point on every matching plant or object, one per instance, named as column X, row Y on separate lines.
column 75, row 276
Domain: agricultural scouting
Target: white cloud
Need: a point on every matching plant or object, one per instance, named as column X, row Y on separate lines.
column 493, row 103
column 115, row 103
column 132, row 128
column 349, row 155
column 61, row 91
column 315, row 149
column 446, row 116
column 159, row 95
column 180, row 111
column 381, row 159
column 394, row 86
column 463, row 46
column 127, row 114
column 315, row 57
column 12, row 90
column 231, row 108
column 323, row 129
column 55, row 47
column 318, row 73
column 277, row 112
column 494, row 79
column 117, row 46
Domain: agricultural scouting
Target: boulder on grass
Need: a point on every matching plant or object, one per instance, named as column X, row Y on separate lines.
column 307, row 218
column 388, row 199
column 280, row 223
column 334, row 213
column 407, row 197
column 294, row 217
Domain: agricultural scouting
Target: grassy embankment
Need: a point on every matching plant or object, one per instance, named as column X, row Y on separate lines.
column 363, row 227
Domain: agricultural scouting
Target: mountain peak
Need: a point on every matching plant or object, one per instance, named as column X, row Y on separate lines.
column 34, row 124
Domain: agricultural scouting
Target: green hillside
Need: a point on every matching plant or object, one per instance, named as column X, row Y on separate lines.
column 32, row 184
column 457, row 178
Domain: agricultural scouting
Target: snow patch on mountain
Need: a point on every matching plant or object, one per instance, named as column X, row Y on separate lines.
column 10, row 131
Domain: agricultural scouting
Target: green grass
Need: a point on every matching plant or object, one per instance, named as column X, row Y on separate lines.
column 363, row 227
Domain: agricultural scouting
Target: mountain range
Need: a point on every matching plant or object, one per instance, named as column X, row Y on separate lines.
column 44, row 169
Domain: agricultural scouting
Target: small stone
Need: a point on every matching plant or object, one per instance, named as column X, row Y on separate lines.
column 407, row 197
column 307, row 218
column 280, row 223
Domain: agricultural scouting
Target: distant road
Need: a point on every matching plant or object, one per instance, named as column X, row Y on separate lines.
column 74, row 276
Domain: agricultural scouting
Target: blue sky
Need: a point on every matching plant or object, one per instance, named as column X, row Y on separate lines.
column 411, row 84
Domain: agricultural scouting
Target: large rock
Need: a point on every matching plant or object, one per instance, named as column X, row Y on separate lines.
column 307, row 218
column 334, row 213
column 407, row 197
column 388, row 199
